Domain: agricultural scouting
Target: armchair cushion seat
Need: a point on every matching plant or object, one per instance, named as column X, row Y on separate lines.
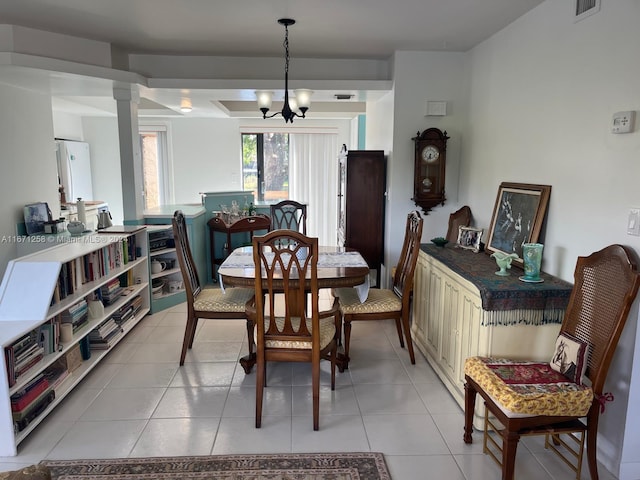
column 378, row 301
column 327, row 333
column 529, row 388
column 215, row 300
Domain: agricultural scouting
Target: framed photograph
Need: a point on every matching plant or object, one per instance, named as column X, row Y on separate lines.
column 35, row 215
column 469, row 238
column 517, row 217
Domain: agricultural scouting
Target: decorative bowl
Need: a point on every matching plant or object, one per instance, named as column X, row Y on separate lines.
column 75, row 228
column 439, row 241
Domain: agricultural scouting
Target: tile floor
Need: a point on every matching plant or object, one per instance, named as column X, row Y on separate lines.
column 138, row 402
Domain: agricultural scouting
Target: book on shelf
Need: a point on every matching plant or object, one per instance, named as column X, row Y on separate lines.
column 23, row 418
column 25, row 397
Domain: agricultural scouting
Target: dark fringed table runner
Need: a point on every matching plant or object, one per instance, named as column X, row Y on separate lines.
column 548, row 300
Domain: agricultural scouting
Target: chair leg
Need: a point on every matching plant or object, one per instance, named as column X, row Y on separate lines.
column 399, row 329
column 469, row 408
column 509, row 448
column 334, row 356
column 407, row 334
column 315, row 384
column 187, row 338
column 260, row 376
column 193, row 332
column 347, row 337
column 250, row 338
column 592, row 436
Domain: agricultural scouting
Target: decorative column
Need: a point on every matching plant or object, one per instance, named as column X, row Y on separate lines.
column 127, row 100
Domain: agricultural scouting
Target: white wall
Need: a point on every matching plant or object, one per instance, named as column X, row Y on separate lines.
column 542, row 95
column 391, row 125
column 29, row 171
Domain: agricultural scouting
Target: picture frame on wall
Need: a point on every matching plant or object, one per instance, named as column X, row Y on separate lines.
column 517, row 218
column 469, row 238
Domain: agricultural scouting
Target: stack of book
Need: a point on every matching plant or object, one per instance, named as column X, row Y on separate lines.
column 29, row 402
column 127, row 311
column 111, row 291
column 105, row 335
column 78, row 315
column 22, row 355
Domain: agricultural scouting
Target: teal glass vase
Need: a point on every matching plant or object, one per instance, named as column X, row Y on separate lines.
column 532, row 259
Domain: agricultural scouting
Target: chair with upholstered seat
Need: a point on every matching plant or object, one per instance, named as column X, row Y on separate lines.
column 385, row 304
column 281, row 259
column 459, row 218
column 553, row 397
column 205, row 302
column 289, row 215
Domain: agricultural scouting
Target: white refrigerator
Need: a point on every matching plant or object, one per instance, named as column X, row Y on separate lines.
column 74, row 169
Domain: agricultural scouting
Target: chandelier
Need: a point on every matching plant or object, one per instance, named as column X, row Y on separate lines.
column 301, row 98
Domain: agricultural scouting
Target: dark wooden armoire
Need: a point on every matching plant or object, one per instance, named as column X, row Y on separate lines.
column 361, row 205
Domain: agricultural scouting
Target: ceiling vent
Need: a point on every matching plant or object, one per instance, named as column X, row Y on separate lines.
column 343, row 96
column 585, row 8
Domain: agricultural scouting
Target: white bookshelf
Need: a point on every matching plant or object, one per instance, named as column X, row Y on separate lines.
column 27, row 292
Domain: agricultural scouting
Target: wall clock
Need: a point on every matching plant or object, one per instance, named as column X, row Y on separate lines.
column 429, row 168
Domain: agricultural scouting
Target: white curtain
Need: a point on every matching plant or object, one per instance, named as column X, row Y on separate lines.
column 313, row 179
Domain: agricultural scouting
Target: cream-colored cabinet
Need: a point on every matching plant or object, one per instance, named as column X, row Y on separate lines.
column 450, row 324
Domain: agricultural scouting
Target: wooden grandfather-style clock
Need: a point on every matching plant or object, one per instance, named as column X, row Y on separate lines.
column 429, row 168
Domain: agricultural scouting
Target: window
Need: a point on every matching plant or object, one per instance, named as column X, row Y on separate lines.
column 155, row 165
column 265, row 165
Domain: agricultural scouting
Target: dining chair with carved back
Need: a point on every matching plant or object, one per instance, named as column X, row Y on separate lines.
column 565, row 394
column 205, row 302
column 384, row 304
column 459, row 218
column 289, row 215
column 290, row 333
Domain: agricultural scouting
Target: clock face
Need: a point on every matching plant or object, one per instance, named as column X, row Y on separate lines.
column 430, row 154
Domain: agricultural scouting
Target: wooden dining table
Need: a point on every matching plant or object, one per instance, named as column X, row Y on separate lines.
column 338, row 267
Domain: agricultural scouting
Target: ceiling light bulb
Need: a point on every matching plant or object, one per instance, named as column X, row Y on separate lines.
column 185, row 105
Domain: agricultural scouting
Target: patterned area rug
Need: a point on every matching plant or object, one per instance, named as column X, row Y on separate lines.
column 311, row 466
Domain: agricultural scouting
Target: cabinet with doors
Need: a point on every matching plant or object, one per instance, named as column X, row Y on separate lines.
column 61, row 310
column 450, row 321
column 361, row 205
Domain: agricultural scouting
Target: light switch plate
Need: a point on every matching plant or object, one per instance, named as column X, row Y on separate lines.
column 633, row 223
column 623, row 122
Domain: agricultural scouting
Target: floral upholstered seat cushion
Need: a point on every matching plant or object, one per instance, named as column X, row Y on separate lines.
column 378, row 300
column 215, row 300
column 529, row 388
column 327, row 333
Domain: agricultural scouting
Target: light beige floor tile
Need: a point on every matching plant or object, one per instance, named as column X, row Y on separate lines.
column 176, row 437
column 113, row 439
column 337, row 433
column 116, row 404
column 389, row 399
column 423, row 466
column 192, row 402
column 404, row 435
column 239, row 435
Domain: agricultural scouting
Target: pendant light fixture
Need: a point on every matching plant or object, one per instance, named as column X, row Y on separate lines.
column 302, row 97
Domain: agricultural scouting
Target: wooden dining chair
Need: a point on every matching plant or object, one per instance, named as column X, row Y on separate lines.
column 534, row 398
column 385, row 304
column 286, row 258
column 205, row 302
column 289, row 215
column 459, row 218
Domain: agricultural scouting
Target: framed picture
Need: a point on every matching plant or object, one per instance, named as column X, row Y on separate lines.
column 469, row 238
column 517, row 217
column 35, row 215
